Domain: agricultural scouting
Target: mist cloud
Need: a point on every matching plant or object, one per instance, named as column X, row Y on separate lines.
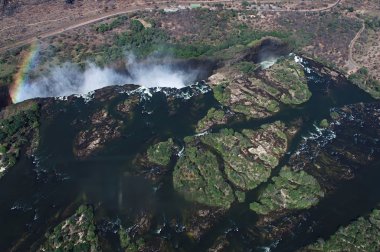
column 68, row 79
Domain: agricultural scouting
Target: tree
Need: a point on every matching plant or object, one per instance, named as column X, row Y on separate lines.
column 245, row 4
column 136, row 26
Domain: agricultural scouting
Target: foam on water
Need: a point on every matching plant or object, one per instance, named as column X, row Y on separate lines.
column 268, row 63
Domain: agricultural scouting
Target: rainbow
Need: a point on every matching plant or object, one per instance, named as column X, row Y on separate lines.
column 21, row 77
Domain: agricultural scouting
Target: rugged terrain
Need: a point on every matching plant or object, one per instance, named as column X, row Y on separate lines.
column 275, row 147
column 254, row 174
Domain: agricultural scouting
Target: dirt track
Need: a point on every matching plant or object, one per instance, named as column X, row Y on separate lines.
column 351, row 64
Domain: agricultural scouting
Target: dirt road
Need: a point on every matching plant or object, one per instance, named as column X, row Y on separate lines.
column 351, row 64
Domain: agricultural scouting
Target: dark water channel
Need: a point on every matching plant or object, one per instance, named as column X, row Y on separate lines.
column 36, row 196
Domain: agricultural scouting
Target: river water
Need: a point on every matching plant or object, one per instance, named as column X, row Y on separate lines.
column 40, row 193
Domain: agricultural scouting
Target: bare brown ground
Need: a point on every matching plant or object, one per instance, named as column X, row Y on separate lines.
column 365, row 46
column 33, row 21
column 367, row 51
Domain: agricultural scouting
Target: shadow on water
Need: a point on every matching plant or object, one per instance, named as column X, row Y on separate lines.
column 270, row 48
column 35, row 197
column 327, row 93
column 45, row 193
column 351, row 200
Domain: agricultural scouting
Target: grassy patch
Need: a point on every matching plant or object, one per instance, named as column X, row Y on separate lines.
column 8, row 65
column 6, row 73
column 290, row 190
column 289, row 76
column 221, row 94
column 324, row 123
column 366, row 82
column 198, row 178
column 161, row 153
column 361, row 235
column 127, row 243
column 248, row 156
column 246, row 67
column 16, row 130
column 104, row 27
column 213, row 117
column 77, row 233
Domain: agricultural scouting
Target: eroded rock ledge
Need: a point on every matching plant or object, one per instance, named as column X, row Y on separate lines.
column 103, row 128
column 260, row 95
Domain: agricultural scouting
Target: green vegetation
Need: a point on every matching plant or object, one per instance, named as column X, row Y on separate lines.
column 334, row 115
column 221, row 35
column 119, row 21
column 198, row 178
column 324, row 123
column 244, row 36
column 245, row 4
column 6, row 73
column 136, row 26
column 249, row 156
column 290, row 190
column 290, row 78
column 76, row 233
column 264, row 102
column 350, row 9
column 240, row 196
column 222, row 94
column 195, row 6
column 372, row 22
column 127, row 243
column 186, row 51
column 17, row 129
column 161, row 153
column 236, row 88
column 216, row 32
column 246, row 67
column 141, row 41
column 361, row 235
column 213, row 117
column 366, row 82
column 241, row 96
column 211, row 162
column 8, row 65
